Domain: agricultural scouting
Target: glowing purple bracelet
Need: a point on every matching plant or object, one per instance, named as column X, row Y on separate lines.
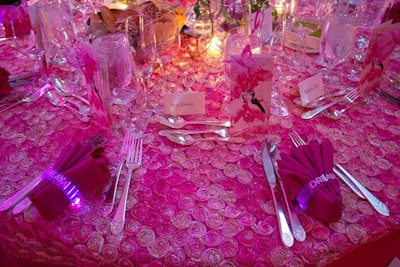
column 313, row 186
column 62, row 182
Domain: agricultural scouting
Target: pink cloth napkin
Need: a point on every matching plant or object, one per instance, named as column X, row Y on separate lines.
column 308, row 176
column 85, row 167
column 18, row 15
column 5, row 87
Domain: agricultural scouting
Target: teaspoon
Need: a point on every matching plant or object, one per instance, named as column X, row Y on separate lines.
column 186, row 140
column 179, row 122
column 59, row 101
column 62, row 90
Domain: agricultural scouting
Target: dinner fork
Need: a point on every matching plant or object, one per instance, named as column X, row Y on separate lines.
column 376, row 203
column 110, row 198
column 350, row 98
column 31, row 98
column 133, row 162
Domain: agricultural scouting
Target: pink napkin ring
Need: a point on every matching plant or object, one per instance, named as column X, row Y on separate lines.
column 62, row 182
column 311, row 187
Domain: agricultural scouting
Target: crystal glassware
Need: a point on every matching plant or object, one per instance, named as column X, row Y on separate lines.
column 139, row 30
column 337, row 39
column 117, row 54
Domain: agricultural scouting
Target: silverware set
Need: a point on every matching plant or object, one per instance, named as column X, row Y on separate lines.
column 189, row 137
column 57, row 95
column 284, row 229
column 349, row 98
column 131, row 158
column 347, row 178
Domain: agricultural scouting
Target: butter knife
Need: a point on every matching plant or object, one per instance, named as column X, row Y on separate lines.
column 284, row 230
column 298, row 231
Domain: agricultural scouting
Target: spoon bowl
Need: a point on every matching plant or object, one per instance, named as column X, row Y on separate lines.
column 179, row 122
column 59, row 101
column 61, row 88
column 186, row 139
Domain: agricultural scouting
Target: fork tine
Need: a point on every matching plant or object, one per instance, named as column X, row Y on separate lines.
column 296, row 139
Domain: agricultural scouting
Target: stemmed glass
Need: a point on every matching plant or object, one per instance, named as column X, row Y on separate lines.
column 139, row 30
column 166, row 30
column 32, row 50
column 284, row 9
column 114, row 49
column 337, row 39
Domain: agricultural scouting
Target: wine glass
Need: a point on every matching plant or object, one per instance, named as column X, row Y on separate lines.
column 58, row 31
column 337, row 39
column 139, row 30
column 284, row 10
column 166, row 30
column 32, row 49
column 115, row 50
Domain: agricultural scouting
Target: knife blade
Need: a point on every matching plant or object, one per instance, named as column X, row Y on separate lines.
column 284, row 230
column 297, row 229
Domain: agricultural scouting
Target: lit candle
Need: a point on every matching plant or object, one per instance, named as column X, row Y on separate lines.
column 214, row 47
column 290, row 6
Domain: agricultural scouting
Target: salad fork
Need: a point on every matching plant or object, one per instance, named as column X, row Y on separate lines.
column 110, row 198
column 133, row 162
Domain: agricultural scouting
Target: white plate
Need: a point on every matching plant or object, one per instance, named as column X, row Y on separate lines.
column 292, row 41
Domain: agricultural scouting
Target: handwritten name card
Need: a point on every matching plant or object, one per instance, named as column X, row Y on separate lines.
column 311, row 88
column 186, row 103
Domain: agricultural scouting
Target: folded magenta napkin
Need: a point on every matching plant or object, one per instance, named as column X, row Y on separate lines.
column 5, row 87
column 81, row 165
column 18, row 16
column 309, row 180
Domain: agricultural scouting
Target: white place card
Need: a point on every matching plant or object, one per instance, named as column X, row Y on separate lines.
column 186, row 103
column 311, row 88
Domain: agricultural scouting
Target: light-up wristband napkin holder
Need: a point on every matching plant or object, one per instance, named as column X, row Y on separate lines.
column 311, row 187
column 63, row 183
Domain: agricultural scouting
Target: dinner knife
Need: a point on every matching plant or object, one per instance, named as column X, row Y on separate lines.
column 284, row 230
column 20, row 195
column 297, row 229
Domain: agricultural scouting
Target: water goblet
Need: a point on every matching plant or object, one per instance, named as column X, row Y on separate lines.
column 115, row 49
column 32, row 49
column 166, row 31
column 337, row 39
column 139, row 30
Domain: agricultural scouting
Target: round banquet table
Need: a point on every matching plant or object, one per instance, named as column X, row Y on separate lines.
column 207, row 204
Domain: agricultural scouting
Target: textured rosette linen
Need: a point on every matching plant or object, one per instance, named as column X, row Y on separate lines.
column 309, row 180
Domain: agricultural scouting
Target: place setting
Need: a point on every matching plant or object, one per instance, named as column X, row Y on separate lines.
column 208, row 133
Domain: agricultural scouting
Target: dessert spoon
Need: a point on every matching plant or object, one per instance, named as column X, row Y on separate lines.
column 62, row 90
column 179, row 122
column 187, row 140
column 220, row 132
column 59, row 101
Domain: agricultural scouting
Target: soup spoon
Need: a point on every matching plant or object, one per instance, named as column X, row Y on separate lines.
column 186, row 140
column 59, row 101
column 62, row 90
column 220, row 132
column 179, row 122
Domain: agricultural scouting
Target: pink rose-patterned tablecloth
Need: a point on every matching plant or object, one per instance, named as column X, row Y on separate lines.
column 207, row 204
